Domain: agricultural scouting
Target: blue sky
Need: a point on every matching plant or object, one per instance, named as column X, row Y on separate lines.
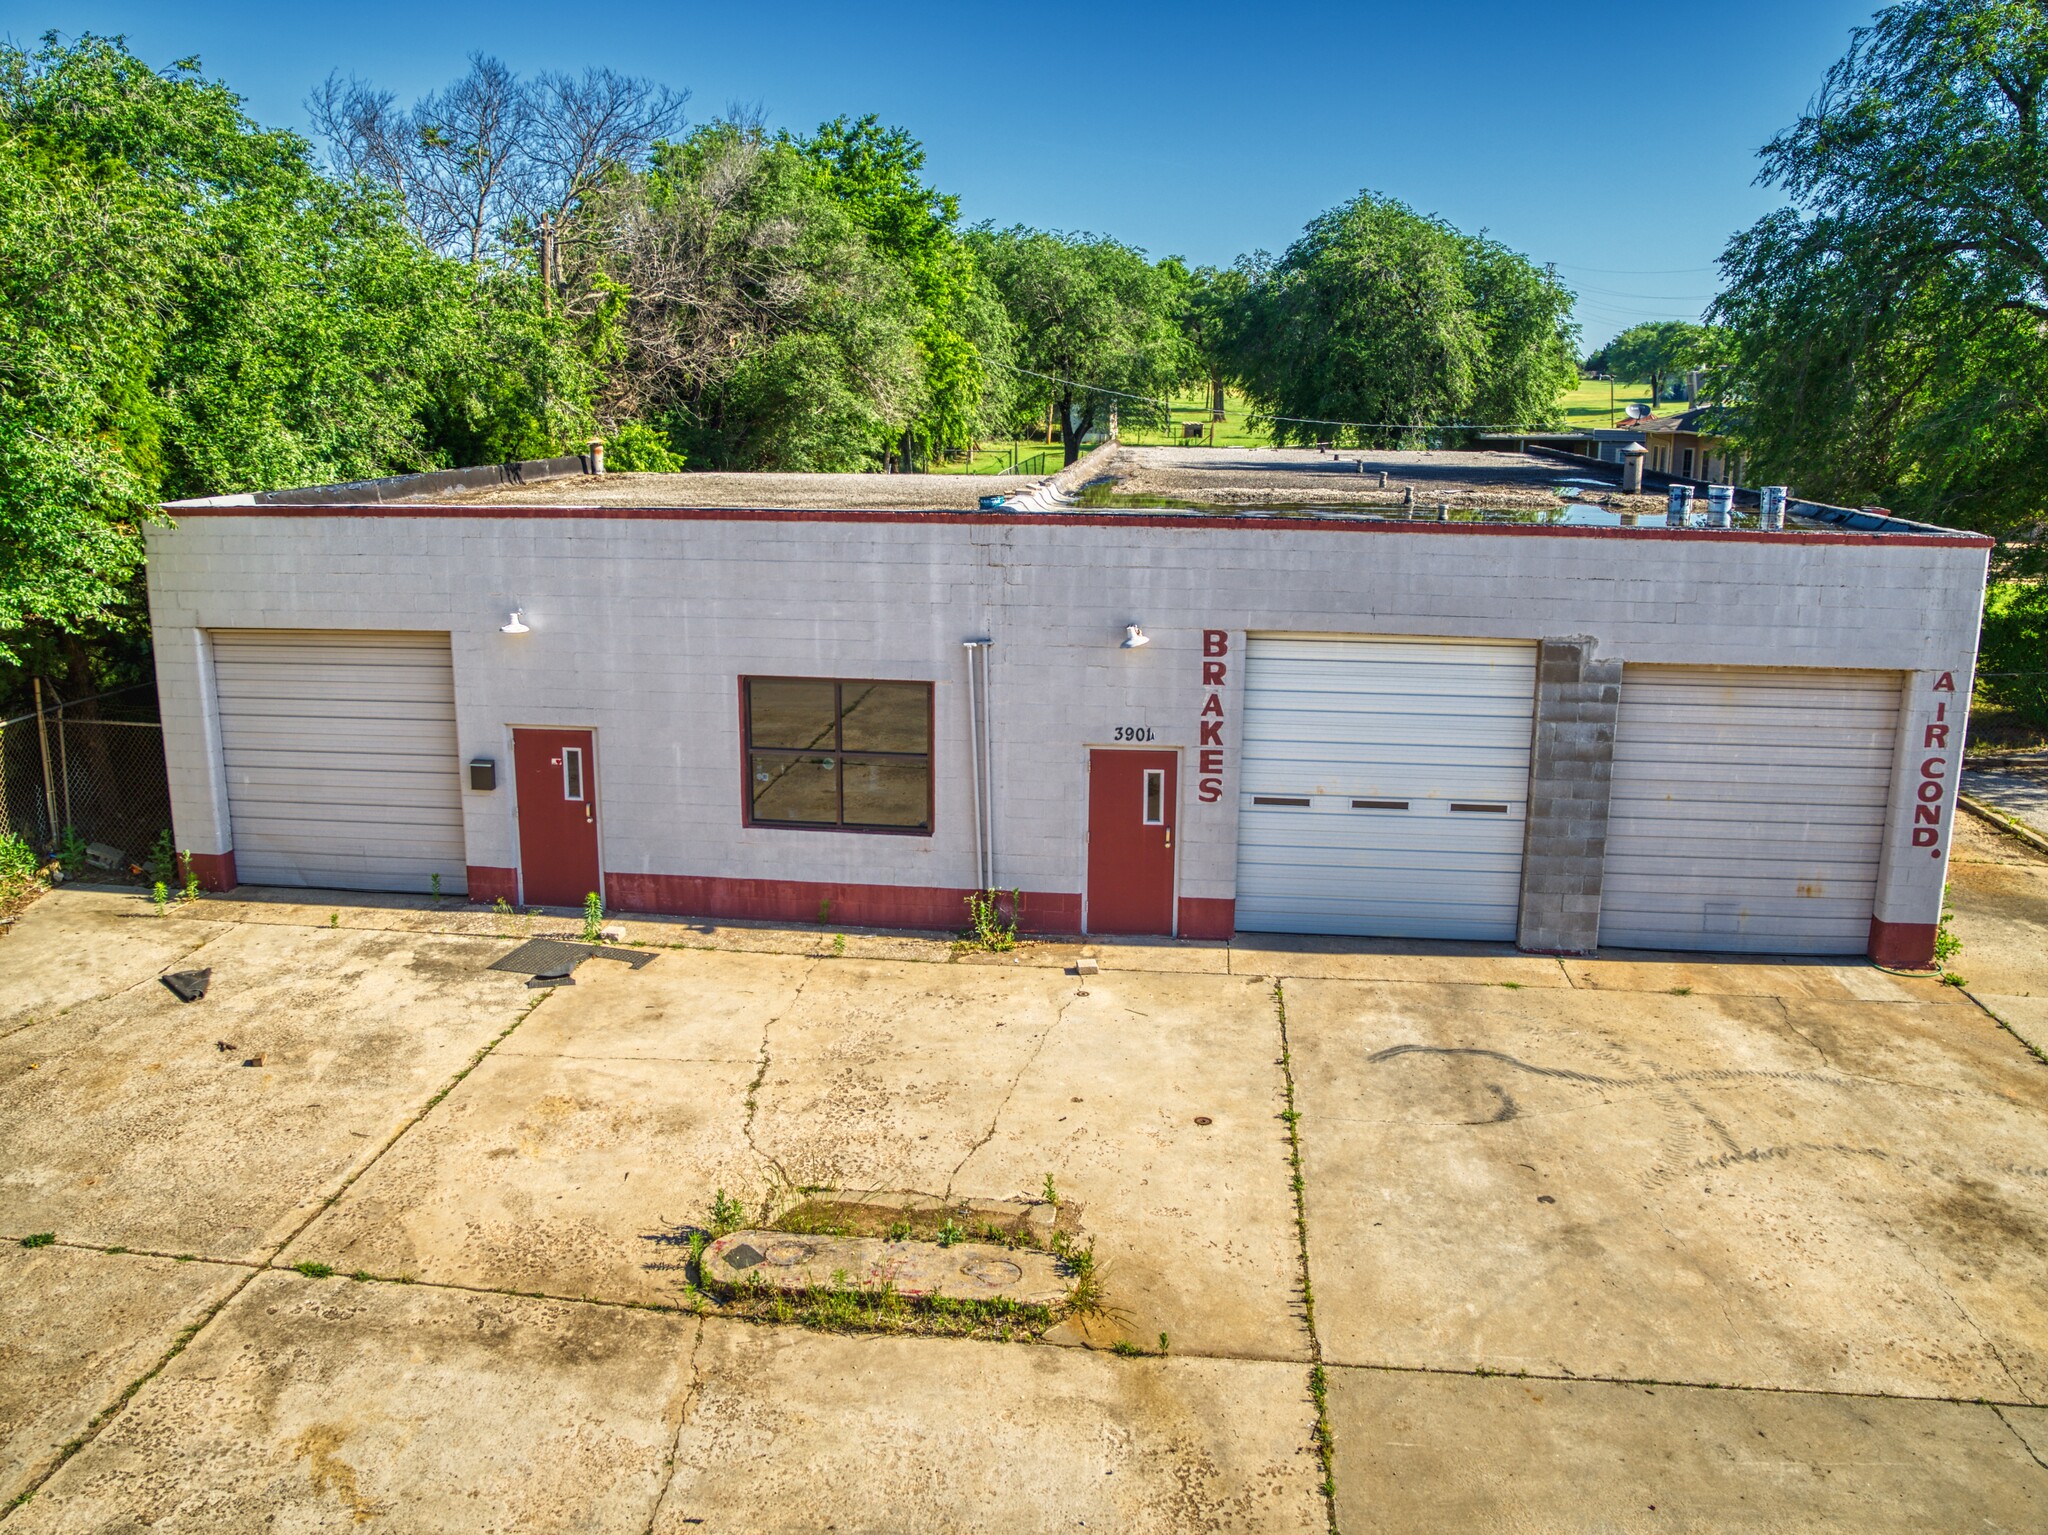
column 1616, row 141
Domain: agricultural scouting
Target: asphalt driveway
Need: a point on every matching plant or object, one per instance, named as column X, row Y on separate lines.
column 1638, row 1242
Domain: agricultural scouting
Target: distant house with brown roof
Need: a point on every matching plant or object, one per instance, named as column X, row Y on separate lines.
column 1678, row 447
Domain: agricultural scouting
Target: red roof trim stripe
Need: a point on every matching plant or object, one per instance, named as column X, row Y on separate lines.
column 1168, row 520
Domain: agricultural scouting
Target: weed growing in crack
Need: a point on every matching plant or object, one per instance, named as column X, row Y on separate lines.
column 1946, row 944
column 1164, row 1346
column 949, row 1233
column 1125, row 1348
column 1681, row 991
column 988, row 929
column 161, row 894
column 39, row 1239
column 1050, row 1193
column 313, row 1270
column 727, row 1214
column 1326, row 1449
column 593, row 918
column 1085, row 1298
column 839, row 945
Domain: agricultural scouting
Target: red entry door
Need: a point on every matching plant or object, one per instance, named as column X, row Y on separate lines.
column 1131, row 803
column 556, row 776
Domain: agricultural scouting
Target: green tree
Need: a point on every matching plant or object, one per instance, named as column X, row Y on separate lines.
column 735, row 299
column 1658, row 351
column 1887, row 326
column 189, row 306
column 1095, row 324
column 1378, row 315
column 874, row 173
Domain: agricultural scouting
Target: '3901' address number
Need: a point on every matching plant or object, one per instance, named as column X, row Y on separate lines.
column 1134, row 732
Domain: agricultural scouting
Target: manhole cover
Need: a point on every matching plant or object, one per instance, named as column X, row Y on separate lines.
column 783, row 1254
column 992, row 1271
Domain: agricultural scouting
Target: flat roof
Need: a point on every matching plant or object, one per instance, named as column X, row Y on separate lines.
column 1504, row 488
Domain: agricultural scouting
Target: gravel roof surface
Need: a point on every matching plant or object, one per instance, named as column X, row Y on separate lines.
column 825, row 492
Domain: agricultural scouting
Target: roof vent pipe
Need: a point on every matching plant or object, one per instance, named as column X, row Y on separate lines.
column 1632, row 458
column 597, row 455
column 1678, row 510
column 1720, row 506
column 1771, row 508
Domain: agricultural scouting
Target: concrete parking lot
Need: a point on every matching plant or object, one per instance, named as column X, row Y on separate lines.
column 1636, row 1242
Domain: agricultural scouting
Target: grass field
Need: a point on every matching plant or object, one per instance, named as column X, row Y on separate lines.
column 1592, row 404
column 1589, row 405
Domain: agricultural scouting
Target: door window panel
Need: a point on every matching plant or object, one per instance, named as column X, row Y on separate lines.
column 572, row 772
column 1155, row 797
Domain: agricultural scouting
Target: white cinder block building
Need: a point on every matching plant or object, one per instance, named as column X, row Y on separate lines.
column 1415, row 696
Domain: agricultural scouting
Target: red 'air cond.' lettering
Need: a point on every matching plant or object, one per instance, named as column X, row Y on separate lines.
column 1933, row 767
column 1930, row 791
column 1931, row 814
column 1937, row 735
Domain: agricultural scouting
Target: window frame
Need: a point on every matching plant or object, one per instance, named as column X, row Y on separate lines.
column 929, row 756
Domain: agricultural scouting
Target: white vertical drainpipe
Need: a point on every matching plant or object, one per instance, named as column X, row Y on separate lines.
column 979, row 741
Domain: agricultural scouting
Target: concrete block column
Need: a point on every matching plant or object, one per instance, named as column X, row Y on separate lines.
column 1571, row 762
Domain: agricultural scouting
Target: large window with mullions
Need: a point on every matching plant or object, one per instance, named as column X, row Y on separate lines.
column 845, row 756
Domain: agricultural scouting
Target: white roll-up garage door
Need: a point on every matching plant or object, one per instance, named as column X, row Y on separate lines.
column 1385, row 786
column 340, row 756
column 1748, row 809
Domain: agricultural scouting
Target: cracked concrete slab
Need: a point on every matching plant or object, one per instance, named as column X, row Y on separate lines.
column 1455, row 1452
column 1999, row 887
column 552, row 1175
column 74, row 946
column 700, row 1005
column 1803, row 1195
column 1193, row 1222
column 126, row 1125
column 327, row 1404
column 800, row 1431
column 76, row 1329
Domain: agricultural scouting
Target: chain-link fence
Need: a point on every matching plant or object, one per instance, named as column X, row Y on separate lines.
column 99, row 775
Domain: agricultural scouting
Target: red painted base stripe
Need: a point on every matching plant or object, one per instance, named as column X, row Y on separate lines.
column 1902, row 945
column 1207, row 917
column 215, row 871
column 821, row 902
column 488, row 884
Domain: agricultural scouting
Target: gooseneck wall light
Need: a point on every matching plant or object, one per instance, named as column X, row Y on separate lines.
column 517, row 625
column 1134, row 637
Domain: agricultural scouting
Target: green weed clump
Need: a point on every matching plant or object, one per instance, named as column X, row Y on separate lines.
column 39, row 1239
column 988, row 928
column 593, row 918
column 727, row 1214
